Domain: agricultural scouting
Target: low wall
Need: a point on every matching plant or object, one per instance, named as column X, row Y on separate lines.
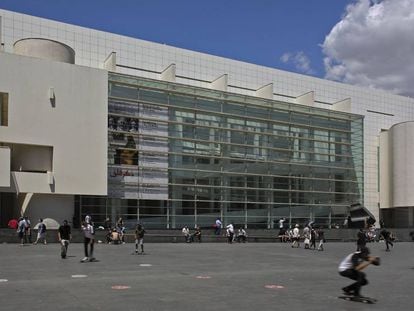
column 175, row 236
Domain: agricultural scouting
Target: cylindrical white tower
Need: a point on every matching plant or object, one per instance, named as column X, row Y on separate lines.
column 45, row 49
column 401, row 151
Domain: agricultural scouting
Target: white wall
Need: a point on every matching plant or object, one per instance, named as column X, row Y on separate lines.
column 402, row 164
column 385, row 170
column 4, row 167
column 75, row 126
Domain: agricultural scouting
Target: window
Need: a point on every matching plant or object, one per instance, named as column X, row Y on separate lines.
column 4, row 109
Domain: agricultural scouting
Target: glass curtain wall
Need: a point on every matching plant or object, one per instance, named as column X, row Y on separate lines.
column 181, row 155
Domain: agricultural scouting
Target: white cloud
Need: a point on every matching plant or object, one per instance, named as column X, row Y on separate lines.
column 299, row 60
column 373, row 46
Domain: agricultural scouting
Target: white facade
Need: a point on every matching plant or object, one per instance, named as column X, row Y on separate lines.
column 397, row 165
column 56, row 140
column 147, row 59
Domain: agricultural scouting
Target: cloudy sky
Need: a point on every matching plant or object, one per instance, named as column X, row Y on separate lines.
column 373, row 45
column 362, row 42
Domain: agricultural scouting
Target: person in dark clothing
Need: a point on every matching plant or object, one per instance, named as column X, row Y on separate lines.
column 351, row 266
column 64, row 237
column 197, row 234
column 361, row 239
column 108, row 228
column 312, row 238
column 387, row 238
column 139, row 238
column 321, row 236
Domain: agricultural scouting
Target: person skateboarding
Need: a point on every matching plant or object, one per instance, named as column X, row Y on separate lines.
column 387, row 238
column 351, row 266
column 64, row 237
column 89, row 239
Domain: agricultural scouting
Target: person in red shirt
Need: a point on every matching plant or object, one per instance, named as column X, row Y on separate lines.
column 13, row 224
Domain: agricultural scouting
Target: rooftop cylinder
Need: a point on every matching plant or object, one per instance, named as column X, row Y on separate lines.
column 45, row 49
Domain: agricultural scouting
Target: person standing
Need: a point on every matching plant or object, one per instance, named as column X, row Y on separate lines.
column 41, row 232
column 64, row 238
column 312, row 238
column 321, row 236
column 282, row 230
column 28, row 230
column 88, row 239
column 306, row 237
column 21, row 227
column 387, row 238
column 218, row 225
column 121, row 229
column 351, row 266
column 139, row 238
column 361, row 239
column 108, row 228
column 296, row 236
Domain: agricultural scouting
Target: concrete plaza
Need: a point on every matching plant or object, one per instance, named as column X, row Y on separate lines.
column 206, row 276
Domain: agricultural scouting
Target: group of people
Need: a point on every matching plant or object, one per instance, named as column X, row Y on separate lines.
column 24, row 230
column 191, row 237
column 115, row 234
column 241, row 235
column 310, row 235
column 363, row 238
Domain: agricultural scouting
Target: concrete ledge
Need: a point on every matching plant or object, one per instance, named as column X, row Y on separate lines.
column 175, row 236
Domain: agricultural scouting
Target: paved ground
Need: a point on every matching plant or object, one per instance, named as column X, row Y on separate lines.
column 209, row 276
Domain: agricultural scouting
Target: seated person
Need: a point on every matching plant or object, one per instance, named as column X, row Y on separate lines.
column 115, row 237
column 241, row 235
column 283, row 236
column 187, row 236
column 197, row 234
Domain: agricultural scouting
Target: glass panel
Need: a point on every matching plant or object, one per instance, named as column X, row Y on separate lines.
column 213, row 153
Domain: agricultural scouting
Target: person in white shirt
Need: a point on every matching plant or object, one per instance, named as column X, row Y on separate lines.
column 351, row 266
column 306, row 236
column 241, row 235
column 218, row 225
column 230, row 233
column 89, row 239
column 295, row 236
column 186, row 234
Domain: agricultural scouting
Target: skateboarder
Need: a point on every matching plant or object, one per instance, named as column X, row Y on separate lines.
column 89, row 239
column 387, row 238
column 64, row 237
column 351, row 267
column 139, row 238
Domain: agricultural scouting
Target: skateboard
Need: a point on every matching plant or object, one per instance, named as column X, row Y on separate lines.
column 89, row 260
column 359, row 299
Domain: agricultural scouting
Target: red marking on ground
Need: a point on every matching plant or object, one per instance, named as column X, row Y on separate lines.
column 272, row 286
column 203, row 277
column 120, row 287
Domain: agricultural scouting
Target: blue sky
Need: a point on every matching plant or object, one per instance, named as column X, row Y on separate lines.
column 362, row 42
column 258, row 31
